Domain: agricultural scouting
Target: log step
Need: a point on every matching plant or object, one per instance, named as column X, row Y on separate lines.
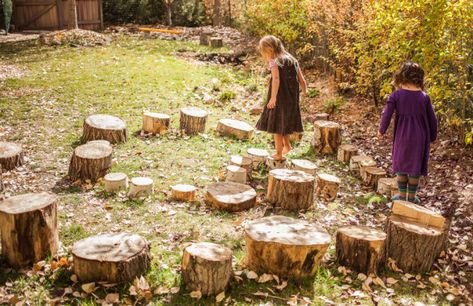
column 303, row 165
column 356, row 160
column 345, row 152
column 327, row 186
column 90, row 161
column 156, row 123
column 184, row 192
column 258, row 156
column 372, row 175
column 387, row 186
column 327, row 137
column 115, row 182
column 11, row 155
column 235, row 174
column 272, row 163
column 141, row 187
column 106, row 127
column 418, row 213
column 290, row 189
column 244, row 162
column 193, row 120
column 236, row 128
column 230, row 196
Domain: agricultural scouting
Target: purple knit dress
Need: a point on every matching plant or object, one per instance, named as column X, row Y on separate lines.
column 415, row 127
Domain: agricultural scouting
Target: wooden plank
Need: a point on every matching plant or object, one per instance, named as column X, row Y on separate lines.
column 82, row 22
column 101, row 14
column 418, row 214
column 177, row 32
column 60, row 17
column 37, row 16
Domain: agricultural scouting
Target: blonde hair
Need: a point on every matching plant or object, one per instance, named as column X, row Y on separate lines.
column 281, row 56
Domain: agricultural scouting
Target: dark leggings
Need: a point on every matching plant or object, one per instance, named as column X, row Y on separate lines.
column 407, row 185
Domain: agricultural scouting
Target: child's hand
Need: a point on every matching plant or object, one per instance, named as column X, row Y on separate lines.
column 271, row 104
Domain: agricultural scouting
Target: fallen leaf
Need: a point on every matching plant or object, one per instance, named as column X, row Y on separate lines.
column 362, row 277
column 161, row 290
column 112, row 298
column 73, row 278
column 220, row 297
column 264, row 278
column 391, row 281
column 251, row 275
column 88, row 288
column 196, row 294
column 175, row 290
column 282, row 286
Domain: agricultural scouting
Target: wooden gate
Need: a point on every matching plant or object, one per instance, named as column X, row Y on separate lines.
column 53, row 14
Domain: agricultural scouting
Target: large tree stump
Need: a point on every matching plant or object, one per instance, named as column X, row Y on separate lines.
column 114, row 182
column 290, row 189
column 285, row 246
column 327, row 137
column 155, row 123
column 244, row 162
column 207, row 267
column 272, row 163
column 258, row 156
column 236, row 128
column 231, row 196
column 356, row 160
column 113, row 258
column 386, row 185
column 364, row 164
column 11, row 155
column 361, row 248
column 345, row 152
column 90, row 161
column 372, row 176
column 215, row 42
column 304, row 165
column 28, row 225
column 327, row 186
column 140, row 187
column 235, row 174
column 183, row 192
column 193, row 120
column 106, row 127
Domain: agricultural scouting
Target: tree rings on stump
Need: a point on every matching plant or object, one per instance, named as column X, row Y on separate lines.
column 140, row 187
column 285, row 246
column 193, row 120
column 304, row 165
column 327, row 137
column 90, row 161
column 207, row 267
column 113, row 258
column 11, row 155
column 236, row 128
column 290, row 189
column 28, row 225
column 235, row 174
column 114, row 182
column 155, row 123
column 106, row 127
column 231, row 196
column 345, row 152
column 372, row 176
column 386, row 185
column 272, row 163
column 215, row 42
column 244, row 162
column 361, row 248
column 327, row 186
column 183, row 192
column 258, row 156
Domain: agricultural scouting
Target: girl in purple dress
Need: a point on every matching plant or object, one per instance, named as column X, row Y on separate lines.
column 415, row 127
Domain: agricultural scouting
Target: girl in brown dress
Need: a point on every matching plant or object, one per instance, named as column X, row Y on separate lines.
column 281, row 115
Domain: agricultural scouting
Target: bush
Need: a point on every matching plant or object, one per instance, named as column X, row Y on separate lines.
column 333, row 105
column 227, row 96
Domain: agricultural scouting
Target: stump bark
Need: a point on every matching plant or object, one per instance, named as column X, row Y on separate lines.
column 230, row 196
column 114, row 182
column 193, row 120
column 155, row 123
column 104, row 127
column 373, row 175
column 258, row 156
column 204, row 38
column 216, row 42
column 327, row 137
column 28, row 225
column 361, row 248
column 272, row 163
column 285, row 246
column 114, row 258
column 244, row 162
column 304, row 165
column 356, row 160
column 290, row 189
column 327, row 186
column 90, row 161
column 207, row 267
column 11, row 155
column 345, row 152
column 235, row 174
column 386, row 185
column 236, row 128
column 364, row 164
column 140, row 187
column 184, row 192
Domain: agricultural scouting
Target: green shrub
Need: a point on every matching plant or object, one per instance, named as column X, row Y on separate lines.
column 333, row 105
column 313, row 93
column 227, row 96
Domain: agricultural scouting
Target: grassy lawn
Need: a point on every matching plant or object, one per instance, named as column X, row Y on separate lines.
column 44, row 111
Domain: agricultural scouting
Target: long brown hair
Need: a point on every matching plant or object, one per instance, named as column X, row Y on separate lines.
column 280, row 53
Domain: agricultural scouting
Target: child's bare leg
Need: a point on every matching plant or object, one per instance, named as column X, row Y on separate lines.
column 287, row 144
column 278, row 144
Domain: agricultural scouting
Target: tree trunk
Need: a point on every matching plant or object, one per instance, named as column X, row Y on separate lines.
column 327, row 137
column 238, row 129
column 140, row 187
column 230, row 196
column 290, row 189
column 217, row 14
column 168, row 5
column 155, row 123
column 207, row 267
column 183, row 192
column 258, row 156
column 28, row 225
column 272, row 163
column 11, row 155
column 90, row 161
column 345, row 152
column 193, row 120
column 285, row 246
column 73, row 23
column 386, row 186
column 114, row 182
column 372, row 176
column 113, row 258
column 327, row 186
column 361, row 248
column 104, row 127
column 304, row 165
column 235, row 174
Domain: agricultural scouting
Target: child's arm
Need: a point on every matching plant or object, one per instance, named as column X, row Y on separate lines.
column 274, row 86
column 301, row 79
column 387, row 114
column 432, row 119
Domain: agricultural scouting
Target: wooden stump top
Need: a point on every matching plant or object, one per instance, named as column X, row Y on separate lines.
column 363, row 233
column 156, row 115
column 368, row 162
column 231, row 193
column 235, row 168
column 285, row 230
column 141, row 181
column 209, row 251
column 106, row 122
column 360, row 158
column 237, row 124
column 303, row 163
column 194, row 112
column 326, row 124
column 375, row 171
column 9, row 149
column 258, row 152
column 183, row 188
column 26, row 202
column 418, row 213
column 94, row 150
column 287, row 175
column 109, row 247
column 348, row 147
column 415, row 227
column 240, row 160
column 115, row 177
column 329, row 178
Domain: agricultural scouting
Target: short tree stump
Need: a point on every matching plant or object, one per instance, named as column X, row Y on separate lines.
column 215, row 42
column 372, row 175
column 327, row 137
column 345, row 152
column 90, row 161
column 290, row 189
column 184, row 192
column 230, row 196
column 364, row 164
column 105, row 127
column 114, row 182
column 356, row 160
column 141, row 187
column 244, row 162
column 304, row 165
column 386, row 186
column 258, row 156
column 156, row 123
column 236, row 128
column 193, row 120
column 272, row 163
column 11, row 155
column 235, row 174
column 327, row 186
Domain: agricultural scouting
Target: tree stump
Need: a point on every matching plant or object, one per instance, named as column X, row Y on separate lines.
column 345, row 152
column 193, row 120
column 304, row 165
column 207, row 267
column 418, row 214
column 236, row 128
column 183, row 192
column 204, row 38
column 105, row 127
column 322, row 116
column 235, row 174
column 327, row 186
column 216, row 42
column 114, row 182
column 272, row 163
column 113, row 258
column 364, row 164
column 155, row 123
column 372, row 176
column 386, row 185
column 285, row 246
column 230, row 196
column 90, row 161
column 290, row 189
column 11, row 155
column 258, row 156
column 140, row 187
column 244, row 162
column 361, row 248
column 28, row 225
column 356, row 160
column 327, row 137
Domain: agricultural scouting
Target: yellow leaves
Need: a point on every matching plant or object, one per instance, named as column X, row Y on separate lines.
column 88, row 287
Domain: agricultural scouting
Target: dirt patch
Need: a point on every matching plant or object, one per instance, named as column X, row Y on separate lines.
column 75, row 38
column 11, row 71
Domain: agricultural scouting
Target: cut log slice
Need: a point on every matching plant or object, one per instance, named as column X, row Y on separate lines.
column 258, row 156
column 115, row 182
column 356, row 160
column 413, row 246
column 321, row 116
column 184, row 192
column 327, row 186
column 155, row 123
column 272, row 163
column 140, row 187
column 28, row 225
column 236, row 128
column 372, row 176
column 304, row 165
column 106, row 127
column 327, row 137
column 216, row 42
column 418, row 213
column 345, row 152
column 244, row 162
column 11, row 155
column 361, row 248
column 193, row 120
column 285, row 246
column 386, row 185
column 290, row 189
column 364, row 164
column 90, row 161
column 230, row 196
column 114, row 258
column 235, row 174
column 207, row 267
